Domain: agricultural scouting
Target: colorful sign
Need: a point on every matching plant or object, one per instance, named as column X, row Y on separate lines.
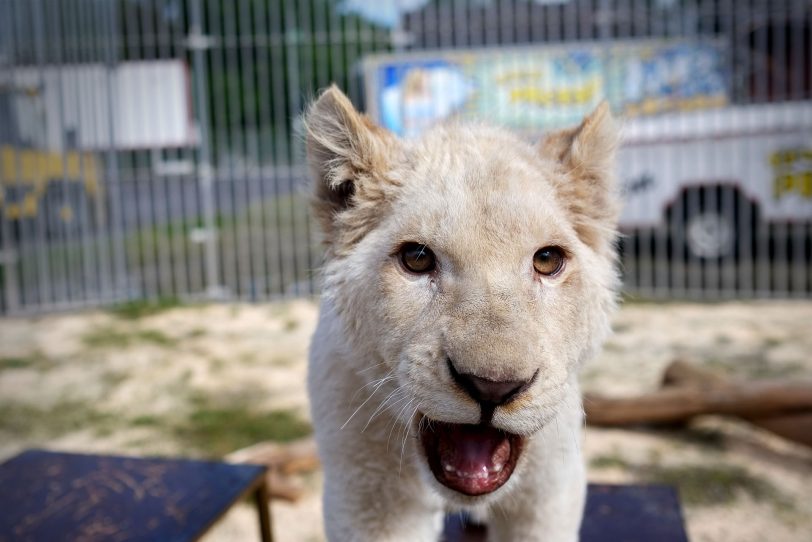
column 792, row 173
column 537, row 88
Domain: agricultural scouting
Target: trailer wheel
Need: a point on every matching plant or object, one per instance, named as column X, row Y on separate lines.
column 712, row 223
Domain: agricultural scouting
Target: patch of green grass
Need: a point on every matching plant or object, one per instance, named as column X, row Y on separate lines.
column 609, row 461
column 704, row 437
column 217, row 431
column 155, row 337
column 723, row 339
column 146, row 420
column 111, row 379
column 291, row 324
column 133, row 310
column 196, row 333
column 26, row 421
column 111, row 337
column 284, row 361
column 21, row 362
column 106, row 337
column 714, row 484
column 701, row 485
column 771, row 342
column 621, row 328
column 217, row 364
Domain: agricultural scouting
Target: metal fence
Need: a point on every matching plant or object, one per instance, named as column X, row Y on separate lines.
column 149, row 147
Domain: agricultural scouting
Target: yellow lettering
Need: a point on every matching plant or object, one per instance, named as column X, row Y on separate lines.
column 782, row 185
column 806, row 184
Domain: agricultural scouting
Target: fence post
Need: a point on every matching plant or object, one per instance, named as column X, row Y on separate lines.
column 198, row 43
column 120, row 279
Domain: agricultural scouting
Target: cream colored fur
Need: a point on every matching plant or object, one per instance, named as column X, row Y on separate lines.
column 484, row 201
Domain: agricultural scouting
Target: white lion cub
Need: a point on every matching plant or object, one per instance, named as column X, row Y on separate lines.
column 468, row 276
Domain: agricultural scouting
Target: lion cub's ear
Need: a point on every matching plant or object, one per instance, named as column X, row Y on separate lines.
column 587, row 154
column 349, row 157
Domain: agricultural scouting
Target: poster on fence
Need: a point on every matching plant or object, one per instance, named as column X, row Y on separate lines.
column 541, row 87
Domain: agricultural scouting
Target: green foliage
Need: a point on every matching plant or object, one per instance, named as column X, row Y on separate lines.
column 20, row 422
column 714, row 484
column 133, row 310
column 20, row 362
column 608, row 461
column 217, row 431
column 710, row 484
column 111, row 337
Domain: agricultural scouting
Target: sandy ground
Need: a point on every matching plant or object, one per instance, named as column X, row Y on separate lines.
column 141, row 384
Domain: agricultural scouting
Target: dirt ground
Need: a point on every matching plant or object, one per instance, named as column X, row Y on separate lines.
column 202, row 381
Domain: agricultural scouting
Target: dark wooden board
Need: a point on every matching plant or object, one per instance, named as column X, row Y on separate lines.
column 634, row 513
column 49, row 496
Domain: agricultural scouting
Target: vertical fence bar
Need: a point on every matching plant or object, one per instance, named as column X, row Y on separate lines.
column 198, row 42
column 233, row 46
column 757, row 67
column 293, row 95
column 776, row 55
column 121, row 282
column 265, row 144
column 43, row 261
column 9, row 249
column 747, row 218
column 800, row 61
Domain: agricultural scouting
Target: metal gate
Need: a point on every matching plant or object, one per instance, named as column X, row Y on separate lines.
column 148, row 148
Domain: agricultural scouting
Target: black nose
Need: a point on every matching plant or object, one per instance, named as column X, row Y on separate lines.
column 492, row 392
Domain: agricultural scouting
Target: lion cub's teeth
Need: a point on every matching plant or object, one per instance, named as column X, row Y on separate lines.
column 497, row 468
column 448, row 468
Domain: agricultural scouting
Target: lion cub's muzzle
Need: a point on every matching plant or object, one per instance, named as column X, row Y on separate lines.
column 475, row 459
column 489, row 393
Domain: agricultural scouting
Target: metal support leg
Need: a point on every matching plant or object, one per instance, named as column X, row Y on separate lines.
column 264, row 511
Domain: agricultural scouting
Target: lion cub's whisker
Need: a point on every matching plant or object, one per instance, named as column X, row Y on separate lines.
column 381, row 383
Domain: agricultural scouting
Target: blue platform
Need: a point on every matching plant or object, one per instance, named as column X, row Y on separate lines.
column 614, row 513
column 51, row 497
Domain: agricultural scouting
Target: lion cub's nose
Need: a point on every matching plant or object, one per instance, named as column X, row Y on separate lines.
column 486, row 391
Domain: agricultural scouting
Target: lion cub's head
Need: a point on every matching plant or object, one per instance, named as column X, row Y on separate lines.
column 474, row 268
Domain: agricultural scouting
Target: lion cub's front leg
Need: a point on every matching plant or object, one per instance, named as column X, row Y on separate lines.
column 384, row 519
column 370, row 496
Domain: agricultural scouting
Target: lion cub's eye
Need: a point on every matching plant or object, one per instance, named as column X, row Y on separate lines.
column 417, row 258
column 549, row 261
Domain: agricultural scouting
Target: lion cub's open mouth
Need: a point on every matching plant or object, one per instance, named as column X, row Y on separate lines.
column 471, row 459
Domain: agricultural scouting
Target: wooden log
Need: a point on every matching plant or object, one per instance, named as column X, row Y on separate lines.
column 289, row 458
column 281, row 488
column 284, row 462
column 681, row 373
column 675, row 404
column 795, row 427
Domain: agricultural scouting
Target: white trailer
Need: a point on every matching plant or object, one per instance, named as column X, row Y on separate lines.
column 709, row 175
column 93, row 107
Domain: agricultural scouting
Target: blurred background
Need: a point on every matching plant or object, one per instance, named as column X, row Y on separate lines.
column 158, row 265
column 149, row 147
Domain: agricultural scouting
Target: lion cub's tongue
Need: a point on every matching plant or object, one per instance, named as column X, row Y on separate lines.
column 472, row 456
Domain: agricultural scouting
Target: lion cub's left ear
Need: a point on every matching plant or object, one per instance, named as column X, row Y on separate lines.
column 349, row 158
column 587, row 154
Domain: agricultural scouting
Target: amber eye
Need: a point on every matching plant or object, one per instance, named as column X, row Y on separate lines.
column 417, row 258
column 549, row 261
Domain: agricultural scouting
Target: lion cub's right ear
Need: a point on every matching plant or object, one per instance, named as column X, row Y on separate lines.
column 349, row 158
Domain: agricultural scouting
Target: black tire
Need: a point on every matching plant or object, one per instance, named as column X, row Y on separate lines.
column 712, row 223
